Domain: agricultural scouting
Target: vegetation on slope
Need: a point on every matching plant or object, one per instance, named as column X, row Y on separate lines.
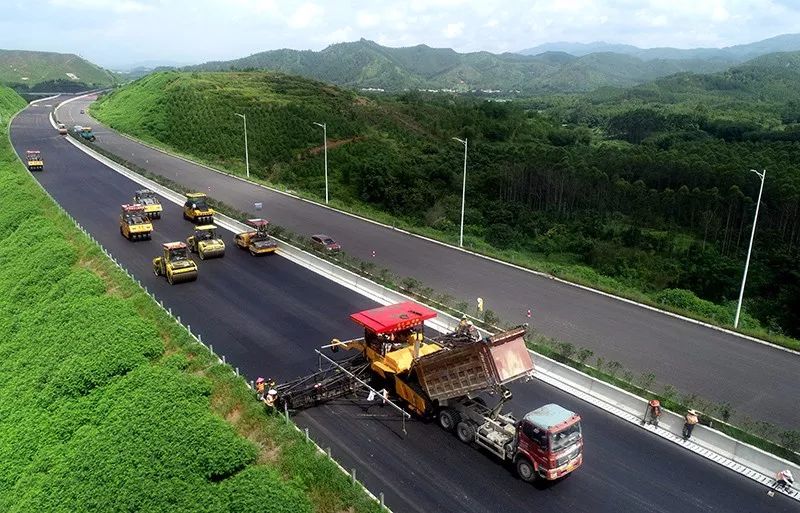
column 620, row 189
column 27, row 71
column 106, row 404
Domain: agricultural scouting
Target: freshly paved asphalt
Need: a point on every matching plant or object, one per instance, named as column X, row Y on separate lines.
column 267, row 315
column 753, row 378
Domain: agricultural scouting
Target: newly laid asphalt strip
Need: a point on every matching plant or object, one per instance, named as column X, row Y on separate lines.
column 267, row 315
column 695, row 359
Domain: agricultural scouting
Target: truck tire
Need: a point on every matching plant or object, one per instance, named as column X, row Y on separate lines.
column 449, row 419
column 465, row 430
column 525, row 469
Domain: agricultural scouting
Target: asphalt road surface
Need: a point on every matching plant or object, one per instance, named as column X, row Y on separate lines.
column 267, row 315
column 696, row 360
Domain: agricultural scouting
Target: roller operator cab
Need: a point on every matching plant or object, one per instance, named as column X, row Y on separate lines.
column 134, row 224
column 205, row 242
column 150, row 202
column 461, row 380
column 33, row 159
column 257, row 240
column 175, row 263
column 196, row 208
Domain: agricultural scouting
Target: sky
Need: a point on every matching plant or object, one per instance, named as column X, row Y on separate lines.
column 119, row 33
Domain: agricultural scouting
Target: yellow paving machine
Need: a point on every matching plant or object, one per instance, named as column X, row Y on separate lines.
column 134, row 224
column 33, row 159
column 196, row 208
column 257, row 240
column 205, row 242
column 150, row 202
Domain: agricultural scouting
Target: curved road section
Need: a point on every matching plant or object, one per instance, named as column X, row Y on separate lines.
column 267, row 316
column 695, row 359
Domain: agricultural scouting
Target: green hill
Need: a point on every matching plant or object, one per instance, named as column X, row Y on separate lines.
column 27, row 71
column 366, row 64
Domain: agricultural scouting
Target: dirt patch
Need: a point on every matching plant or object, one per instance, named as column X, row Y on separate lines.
column 234, row 415
column 316, row 150
column 361, row 101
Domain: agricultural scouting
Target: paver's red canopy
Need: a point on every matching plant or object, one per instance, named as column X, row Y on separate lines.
column 392, row 318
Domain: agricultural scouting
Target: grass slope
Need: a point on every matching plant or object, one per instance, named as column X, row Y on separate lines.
column 107, row 405
column 48, row 71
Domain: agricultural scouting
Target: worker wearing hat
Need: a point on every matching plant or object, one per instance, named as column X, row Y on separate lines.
column 690, row 420
column 783, row 480
column 271, row 397
column 260, row 388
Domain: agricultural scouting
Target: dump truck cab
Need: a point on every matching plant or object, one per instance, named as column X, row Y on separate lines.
column 175, row 263
column 33, row 158
column 150, row 202
column 550, row 441
column 205, row 242
column 196, row 208
column 133, row 223
column 257, row 240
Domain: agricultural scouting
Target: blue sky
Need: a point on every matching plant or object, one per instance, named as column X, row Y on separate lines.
column 120, row 32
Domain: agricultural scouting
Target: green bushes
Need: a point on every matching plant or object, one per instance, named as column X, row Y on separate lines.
column 107, row 405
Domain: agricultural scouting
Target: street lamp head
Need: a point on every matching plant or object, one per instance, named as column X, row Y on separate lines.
column 760, row 174
column 240, row 115
column 462, row 141
column 319, row 124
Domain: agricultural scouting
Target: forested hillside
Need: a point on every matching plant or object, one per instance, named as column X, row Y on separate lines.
column 27, row 71
column 649, row 187
column 366, row 64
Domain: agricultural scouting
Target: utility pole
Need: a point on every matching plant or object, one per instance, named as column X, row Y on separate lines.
column 463, row 192
column 761, row 175
column 325, row 145
column 246, row 154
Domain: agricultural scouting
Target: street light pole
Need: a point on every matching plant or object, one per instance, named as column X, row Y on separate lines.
column 463, row 192
column 246, row 154
column 325, row 144
column 761, row 175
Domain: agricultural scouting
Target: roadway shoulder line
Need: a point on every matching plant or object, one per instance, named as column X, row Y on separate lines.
column 473, row 253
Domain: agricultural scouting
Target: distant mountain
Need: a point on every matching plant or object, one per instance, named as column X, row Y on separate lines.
column 366, row 64
column 731, row 54
column 28, row 71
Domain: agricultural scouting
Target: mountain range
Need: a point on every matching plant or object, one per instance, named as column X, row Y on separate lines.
column 559, row 67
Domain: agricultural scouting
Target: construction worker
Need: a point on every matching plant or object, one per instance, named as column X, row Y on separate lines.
column 271, row 398
column 689, row 422
column 463, row 327
column 652, row 413
column 472, row 332
column 260, row 388
column 783, row 480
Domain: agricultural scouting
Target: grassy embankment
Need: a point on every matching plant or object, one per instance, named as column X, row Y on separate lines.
column 106, row 404
column 49, row 71
column 191, row 115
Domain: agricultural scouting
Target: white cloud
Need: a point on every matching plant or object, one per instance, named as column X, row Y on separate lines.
column 119, row 6
column 453, row 30
column 366, row 19
column 306, row 15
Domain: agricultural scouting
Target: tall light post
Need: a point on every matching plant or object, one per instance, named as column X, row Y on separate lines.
column 325, row 144
column 463, row 192
column 246, row 154
column 761, row 175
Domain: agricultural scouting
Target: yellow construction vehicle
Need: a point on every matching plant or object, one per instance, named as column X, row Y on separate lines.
column 134, row 224
column 34, row 160
column 450, row 378
column 257, row 241
column 196, row 208
column 175, row 263
column 205, row 242
column 150, row 202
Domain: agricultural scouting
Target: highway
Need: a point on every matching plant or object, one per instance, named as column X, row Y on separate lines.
column 267, row 315
column 696, row 360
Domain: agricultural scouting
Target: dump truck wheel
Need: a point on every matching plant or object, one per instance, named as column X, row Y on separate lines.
column 465, row 430
column 449, row 419
column 525, row 470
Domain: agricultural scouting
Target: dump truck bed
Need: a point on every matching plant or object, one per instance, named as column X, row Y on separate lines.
column 474, row 367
